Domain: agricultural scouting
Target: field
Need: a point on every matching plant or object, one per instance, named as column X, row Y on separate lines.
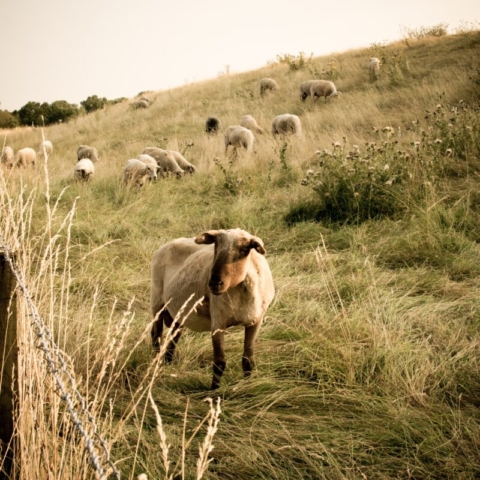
column 367, row 365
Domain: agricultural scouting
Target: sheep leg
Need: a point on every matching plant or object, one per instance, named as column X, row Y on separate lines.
column 164, row 317
column 248, row 361
column 176, row 334
column 156, row 332
column 219, row 360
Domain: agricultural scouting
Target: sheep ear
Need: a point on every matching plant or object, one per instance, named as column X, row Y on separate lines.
column 257, row 244
column 207, row 237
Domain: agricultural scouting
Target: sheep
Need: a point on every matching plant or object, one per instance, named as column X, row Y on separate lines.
column 25, row 156
column 305, row 89
column 136, row 172
column 249, row 122
column 83, row 170
column 212, row 125
column 148, row 160
column 142, row 103
column 165, row 160
column 85, row 151
column 267, row 84
column 286, row 124
column 225, row 268
column 182, row 162
column 323, row 88
column 7, row 157
column 238, row 136
column 374, row 67
column 45, row 147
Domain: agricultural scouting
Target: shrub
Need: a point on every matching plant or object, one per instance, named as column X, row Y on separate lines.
column 7, row 119
column 394, row 62
column 93, row 103
column 384, row 180
column 356, row 186
column 439, row 30
column 331, row 72
column 294, row 62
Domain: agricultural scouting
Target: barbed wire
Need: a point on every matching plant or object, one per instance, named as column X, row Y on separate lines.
column 57, row 364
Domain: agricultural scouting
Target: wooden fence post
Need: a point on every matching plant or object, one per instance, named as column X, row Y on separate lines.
column 8, row 365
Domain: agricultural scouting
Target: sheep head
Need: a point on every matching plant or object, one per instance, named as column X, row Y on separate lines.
column 230, row 260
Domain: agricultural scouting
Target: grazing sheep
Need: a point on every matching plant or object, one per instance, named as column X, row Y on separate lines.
column 45, row 147
column 7, row 157
column 85, row 151
column 286, row 124
column 238, row 136
column 323, row 88
column 142, row 103
column 228, row 269
column 25, row 156
column 249, row 122
column 148, row 160
column 182, row 162
column 305, row 89
column 267, row 84
column 374, row 68
column 136, row 172
column 83, row 170
column 165, row 160
column 212, row 125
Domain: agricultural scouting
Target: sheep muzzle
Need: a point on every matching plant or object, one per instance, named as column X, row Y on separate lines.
column 217, row 285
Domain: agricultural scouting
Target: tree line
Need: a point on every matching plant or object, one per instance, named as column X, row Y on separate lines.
column 60, row 111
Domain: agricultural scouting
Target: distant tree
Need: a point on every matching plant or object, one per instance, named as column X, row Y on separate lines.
column 93, row 103
column 30, row 114
column 34, row 113
column 61, row 111
column 8, row 119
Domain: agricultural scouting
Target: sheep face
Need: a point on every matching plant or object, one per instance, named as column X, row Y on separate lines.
column 232, row 248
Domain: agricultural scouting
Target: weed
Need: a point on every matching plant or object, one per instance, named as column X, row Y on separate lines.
column 233, row 182
column 439, row 30
column 294, row 62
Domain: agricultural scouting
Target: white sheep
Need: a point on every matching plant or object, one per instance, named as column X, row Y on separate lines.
column 25, row 156
column 85, row 151
column 45, row 147
column 238, row 136
column 7, row 157
column 182, row 162
column 83, row 170
column 226, row 268
column 374, row 67
column 165, row 160
column 323, row 88
column 136, row 172
column 305, row 89
column 249, row 122
column 286, row 124
column 148, row 160
column 268, row 84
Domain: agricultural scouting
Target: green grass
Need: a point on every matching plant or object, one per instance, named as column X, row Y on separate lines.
column 368, row 360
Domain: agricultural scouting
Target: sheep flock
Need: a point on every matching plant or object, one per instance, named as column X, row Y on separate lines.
column 216, row 261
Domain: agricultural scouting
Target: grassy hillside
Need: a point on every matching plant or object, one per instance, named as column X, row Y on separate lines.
column 368, row 360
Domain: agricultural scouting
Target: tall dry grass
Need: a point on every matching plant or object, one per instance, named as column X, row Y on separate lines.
column 69, row 414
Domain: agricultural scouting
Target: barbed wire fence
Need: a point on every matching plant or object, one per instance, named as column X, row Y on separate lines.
column 58, row 367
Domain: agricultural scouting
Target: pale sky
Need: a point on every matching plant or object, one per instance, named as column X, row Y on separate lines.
column 71, row 49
